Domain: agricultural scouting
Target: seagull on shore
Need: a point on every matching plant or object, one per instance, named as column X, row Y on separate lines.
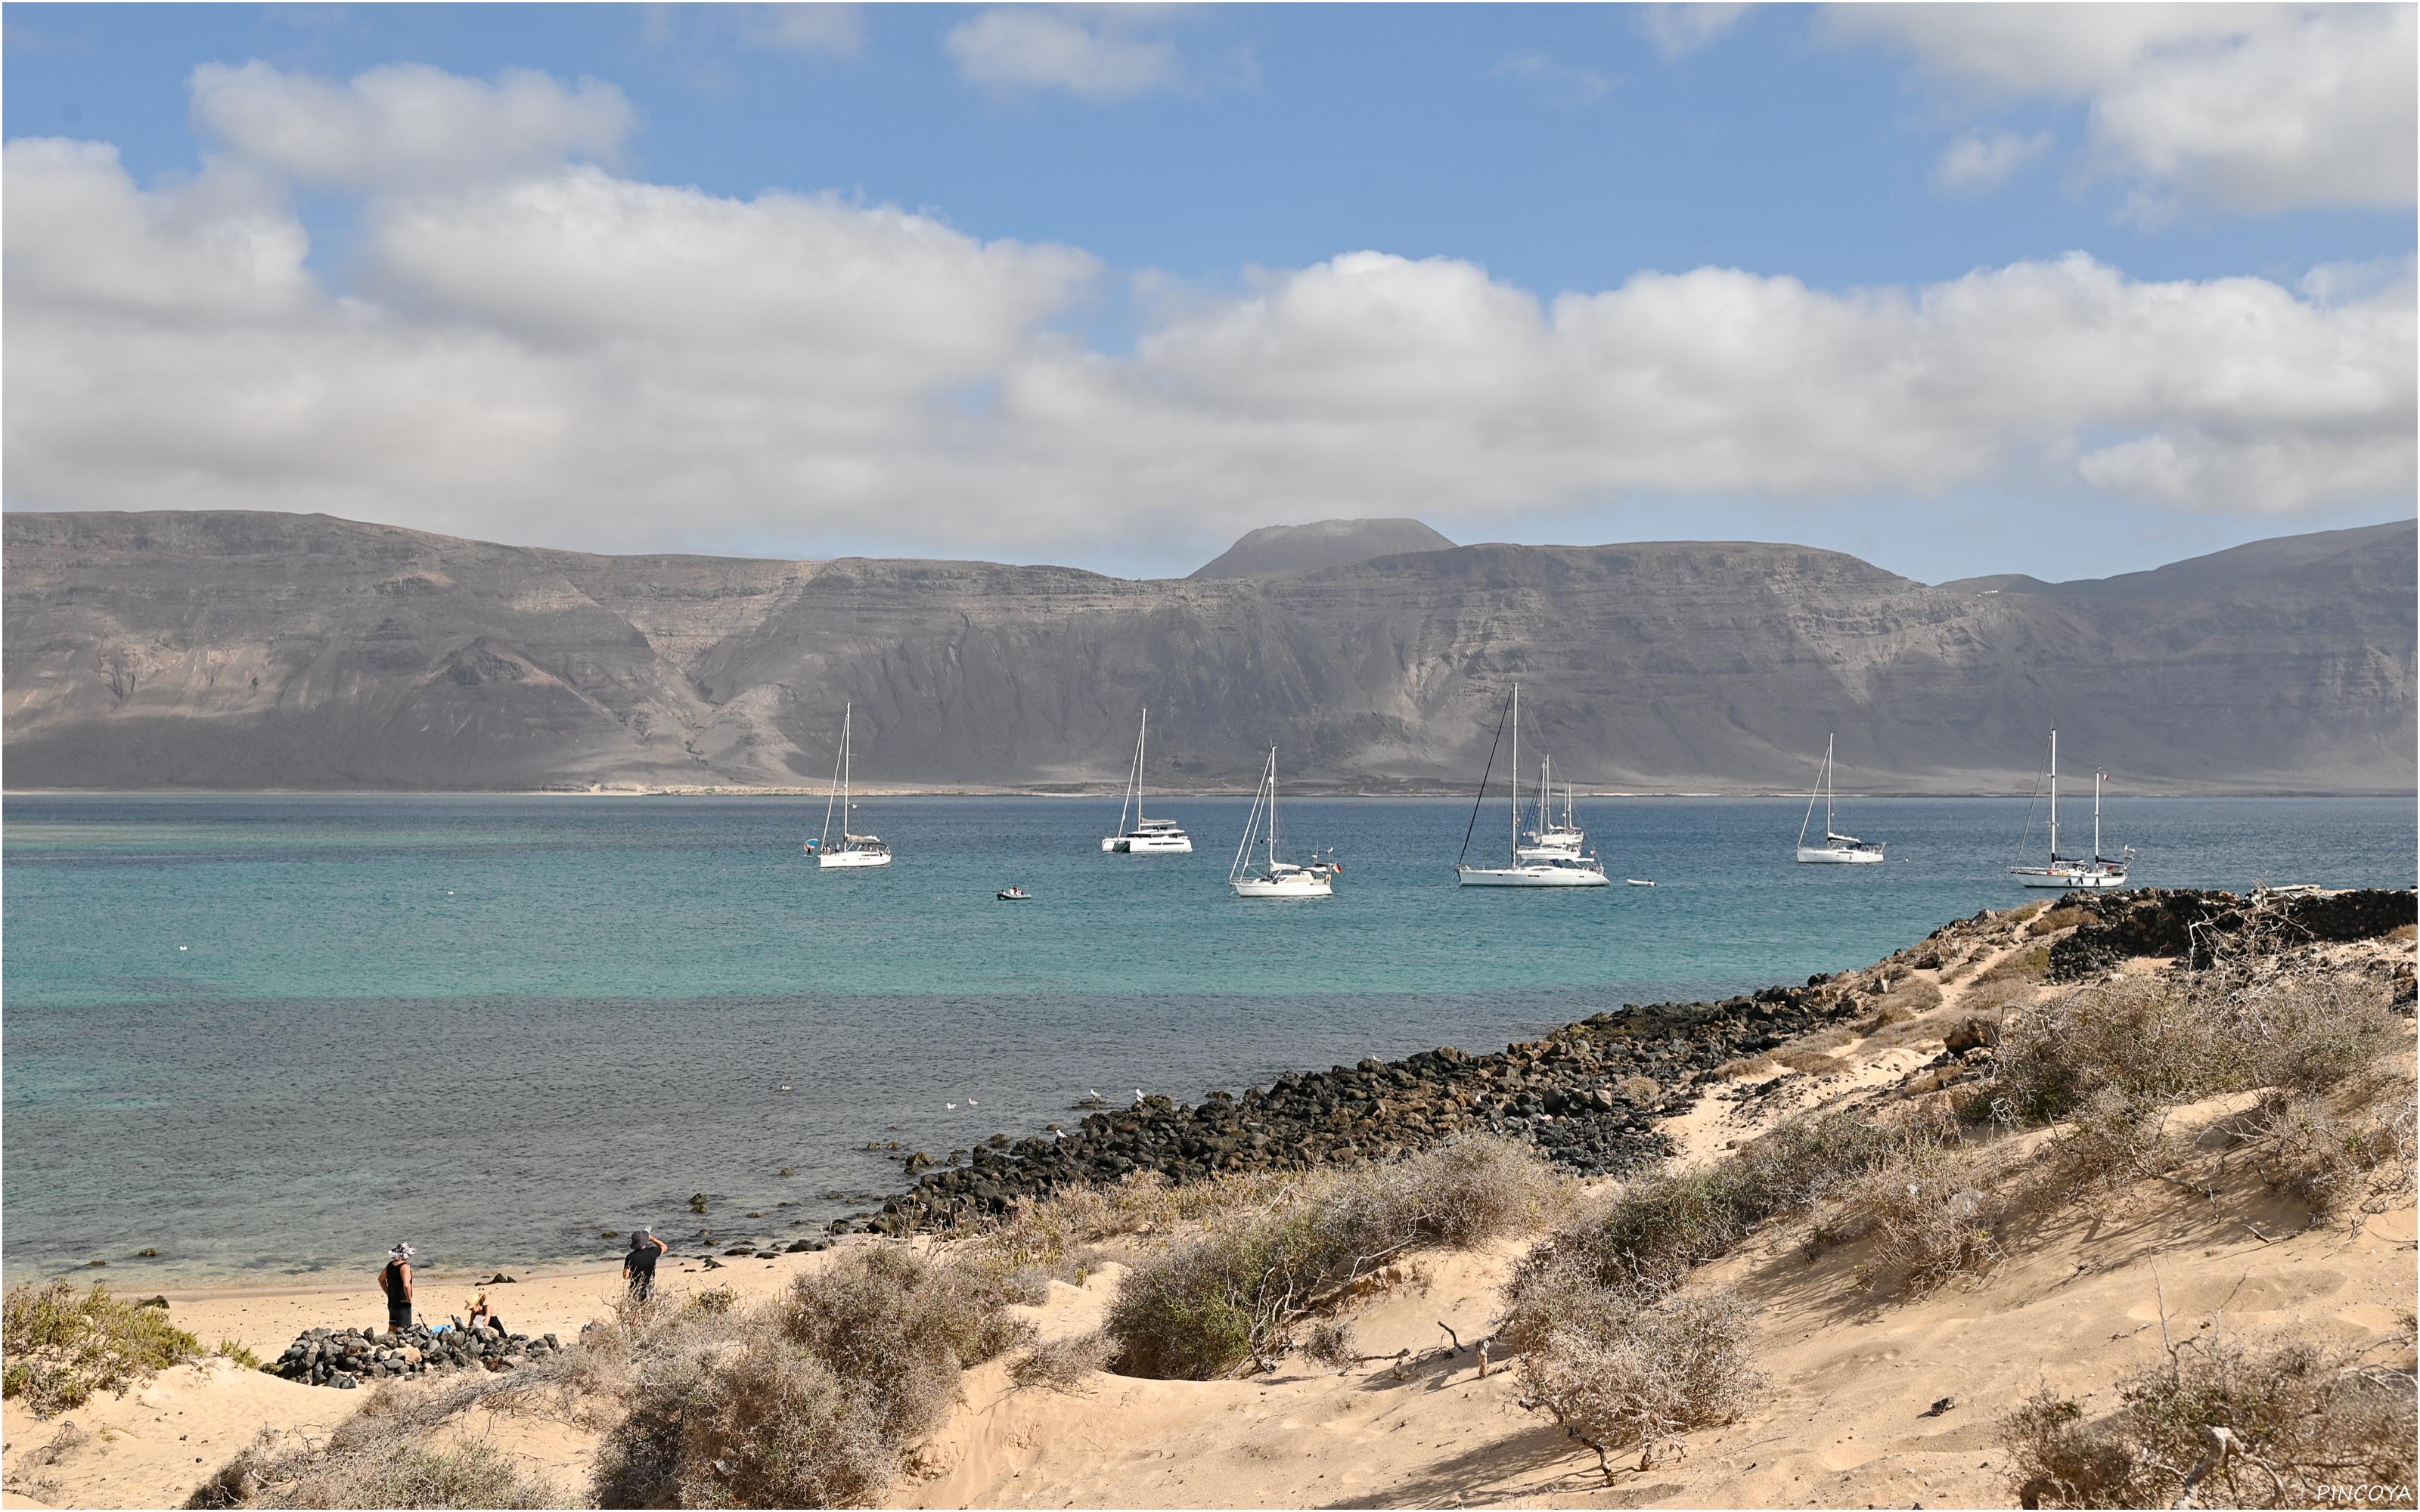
column 972, row 1104
column 1138, row 1094
column 952, row 1106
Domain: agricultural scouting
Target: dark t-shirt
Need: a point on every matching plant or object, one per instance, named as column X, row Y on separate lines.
column 642, row 1260
column 390, row 1281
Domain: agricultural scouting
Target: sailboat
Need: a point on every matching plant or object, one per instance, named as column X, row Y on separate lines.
column 855, row 850
column 2070, row 873
column 1563, row 868
column 1836, row 847
column 1275, row 877
column 1555, row 836
column 1149, row 837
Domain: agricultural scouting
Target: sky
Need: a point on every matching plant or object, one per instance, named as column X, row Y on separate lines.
column 2068, row 291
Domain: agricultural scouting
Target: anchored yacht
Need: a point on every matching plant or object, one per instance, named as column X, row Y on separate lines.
column 2071, row 873
column 1144, row 837
column 1836, row 847
column 1536, row 867
column 854, row 850
column 1273, row 877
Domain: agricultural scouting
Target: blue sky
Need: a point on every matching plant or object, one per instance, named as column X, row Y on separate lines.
column 1211, row 154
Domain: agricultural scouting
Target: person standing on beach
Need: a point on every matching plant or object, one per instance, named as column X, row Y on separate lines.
column 395, row 1281
column 639, row 1266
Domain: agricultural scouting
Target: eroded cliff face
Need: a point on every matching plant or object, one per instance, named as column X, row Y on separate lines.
column 259, row 650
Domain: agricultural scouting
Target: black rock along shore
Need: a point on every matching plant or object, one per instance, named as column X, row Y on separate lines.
column 1587, row 1094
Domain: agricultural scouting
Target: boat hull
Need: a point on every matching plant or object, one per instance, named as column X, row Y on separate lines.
column 851, row 860
column 2065, row 880
column 1529, row 876
column 1837, row 855
column 1287, row 887
column 1148, row 844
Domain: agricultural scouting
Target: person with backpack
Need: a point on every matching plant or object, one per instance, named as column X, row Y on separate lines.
column 395, row 1281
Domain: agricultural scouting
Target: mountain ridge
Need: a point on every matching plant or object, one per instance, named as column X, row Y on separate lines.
column 252, row 650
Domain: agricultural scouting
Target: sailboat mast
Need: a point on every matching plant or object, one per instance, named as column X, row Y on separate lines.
column 840, row 758
column 1512, row 841
column 1828, row 781
column 1273, row 809
column 2053, row 795
column 2095, row 813
column 1141, row 735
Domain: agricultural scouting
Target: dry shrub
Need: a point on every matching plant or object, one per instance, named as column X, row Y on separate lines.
column 63, row 1344
column 1931, row 1211
column 2020, row 967
column 811, row 1401
column 1063, row 1365
column 1745, row 1066
column 2155, row 1044
column 897, row 1329
column 2055, row 920
column 1665, row 1222
column 2307, row 1420
column 1988, row 997
column 1811, row 1062
column 1329, row 1342
column 2328, row 1160
column 1913, row 997
column 393, row 1451
column 1209, row 1306
column 1639, row 1090
column 1618, row 1369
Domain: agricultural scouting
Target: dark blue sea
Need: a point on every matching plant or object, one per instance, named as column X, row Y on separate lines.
column 269, row 1035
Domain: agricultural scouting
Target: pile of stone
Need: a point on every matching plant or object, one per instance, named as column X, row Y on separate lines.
column 345, row 1357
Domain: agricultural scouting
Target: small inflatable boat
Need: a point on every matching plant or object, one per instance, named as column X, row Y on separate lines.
column 1638, row 882
column 1013, row 895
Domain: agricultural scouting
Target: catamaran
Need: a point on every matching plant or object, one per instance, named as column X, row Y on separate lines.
column 1562, row 869
column 1276, row 877
column 2070, row 873
column 1836, row 847
column 1555, row 837
column 1148, row 836
column 854, row 850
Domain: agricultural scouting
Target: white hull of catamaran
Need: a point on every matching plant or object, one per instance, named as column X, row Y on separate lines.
column 2066, row 879
column 1290, row 884
column 1839, row 856
column 830, row 859
column 1529, row 876
column 1148, row 844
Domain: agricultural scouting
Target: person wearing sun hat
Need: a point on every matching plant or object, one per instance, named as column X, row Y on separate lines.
column 395, row 1281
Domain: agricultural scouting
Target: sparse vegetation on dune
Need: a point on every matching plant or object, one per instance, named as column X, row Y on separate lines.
column 1212, row 1303
column 398, row 1450
column 1621, row 1368
column 2278, row 1421
column 65, row 1342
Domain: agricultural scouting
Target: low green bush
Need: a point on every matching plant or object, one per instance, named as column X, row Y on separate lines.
column 63, row 1343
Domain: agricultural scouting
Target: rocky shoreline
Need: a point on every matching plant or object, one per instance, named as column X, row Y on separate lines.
column 1587, row 1095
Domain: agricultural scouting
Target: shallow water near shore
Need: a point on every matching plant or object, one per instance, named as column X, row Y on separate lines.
column 268, row 1036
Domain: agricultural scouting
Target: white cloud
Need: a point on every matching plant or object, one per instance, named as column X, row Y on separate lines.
column 404, row 123
column 1987, row 160
column 575, row 358
column 1094, row 52
column 1571, row 83
column 2245, row 107
column 1675, row 30
column 813, row 29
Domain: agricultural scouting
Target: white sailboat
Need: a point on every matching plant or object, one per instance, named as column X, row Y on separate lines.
column 1836, row 847
column 1147, row 837
column 1275, row 876
column 2069, row 873
column 1563, row 868
column 1555, row 836
column 855, row 850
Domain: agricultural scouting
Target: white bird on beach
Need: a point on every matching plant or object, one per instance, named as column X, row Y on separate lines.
column 1138, row 1094
column 785, row 1087
column 952, row 1106
column 972, row 1104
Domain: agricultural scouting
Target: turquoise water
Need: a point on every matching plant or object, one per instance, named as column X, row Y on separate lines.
column 271, row 1034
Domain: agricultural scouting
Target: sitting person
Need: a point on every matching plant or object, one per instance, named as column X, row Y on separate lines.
column 481, row 1314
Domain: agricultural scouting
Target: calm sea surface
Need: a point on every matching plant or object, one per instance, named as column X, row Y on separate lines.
column 273, row 1035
